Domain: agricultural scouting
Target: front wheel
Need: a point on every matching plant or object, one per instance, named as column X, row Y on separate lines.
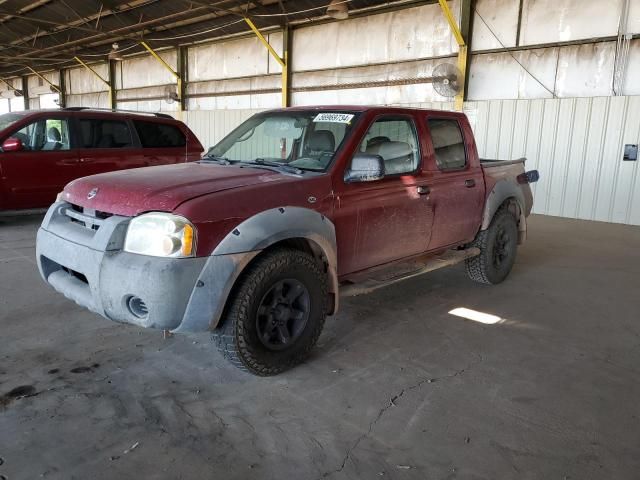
column 498, row 246
column 276, row 314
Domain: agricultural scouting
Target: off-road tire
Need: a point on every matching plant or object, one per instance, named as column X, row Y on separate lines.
column 237, row 336
column 483, row 268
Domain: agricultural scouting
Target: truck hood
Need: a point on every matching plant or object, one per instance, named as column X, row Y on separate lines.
column 162, row 188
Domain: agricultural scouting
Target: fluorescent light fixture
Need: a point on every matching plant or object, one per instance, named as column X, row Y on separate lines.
column 338, row 9
column 115, row 53
column 476, row 316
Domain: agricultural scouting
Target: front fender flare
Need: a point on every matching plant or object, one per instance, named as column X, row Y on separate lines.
column 242, row 245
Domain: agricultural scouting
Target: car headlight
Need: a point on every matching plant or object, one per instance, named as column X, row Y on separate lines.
column 160, row 235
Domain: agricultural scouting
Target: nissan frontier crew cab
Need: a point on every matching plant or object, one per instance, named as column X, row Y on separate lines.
column 256, row 242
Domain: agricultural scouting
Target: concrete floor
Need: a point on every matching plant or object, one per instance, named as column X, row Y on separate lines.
column 397, row 388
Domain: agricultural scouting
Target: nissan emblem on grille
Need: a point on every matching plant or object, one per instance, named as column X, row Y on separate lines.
column 92, row 194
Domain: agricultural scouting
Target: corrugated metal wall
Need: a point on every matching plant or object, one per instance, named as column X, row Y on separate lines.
column 211, row 126
column 576, row 144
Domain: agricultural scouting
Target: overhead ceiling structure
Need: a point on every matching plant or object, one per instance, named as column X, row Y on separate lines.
column 47, row 34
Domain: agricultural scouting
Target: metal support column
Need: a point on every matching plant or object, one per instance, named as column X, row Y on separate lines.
column 62, row 97
column 466, row 29
column 282, row 61
column 183, row 78
column 113, row 93
column 286, row 69
column 25, row 91
column 462, row 44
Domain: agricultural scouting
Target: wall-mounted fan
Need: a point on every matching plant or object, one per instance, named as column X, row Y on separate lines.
column 11, row 93
column 446, row 80
column 170, row 94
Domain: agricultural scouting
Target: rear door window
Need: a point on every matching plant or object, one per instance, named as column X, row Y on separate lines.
column 100, row 133
column 448, row 143
column 45, row 134
column 159, row 135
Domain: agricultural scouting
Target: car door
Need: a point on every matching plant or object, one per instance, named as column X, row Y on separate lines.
column 456, row 185
column 106, row 144
column 43, row 166
column 388, row 219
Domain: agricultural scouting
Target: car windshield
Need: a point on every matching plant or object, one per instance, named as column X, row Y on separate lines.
column 8, row 119
column 303, row 139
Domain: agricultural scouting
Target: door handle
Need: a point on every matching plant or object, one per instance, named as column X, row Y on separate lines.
column 470, row 183
column 423, row 190
column 84, row 160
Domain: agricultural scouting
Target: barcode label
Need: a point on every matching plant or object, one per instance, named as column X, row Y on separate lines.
column 334, row 117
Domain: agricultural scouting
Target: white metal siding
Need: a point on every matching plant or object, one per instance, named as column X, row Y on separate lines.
column 576, row 144
column 211, row 126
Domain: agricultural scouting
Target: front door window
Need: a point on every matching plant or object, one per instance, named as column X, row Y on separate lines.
column 45, row 135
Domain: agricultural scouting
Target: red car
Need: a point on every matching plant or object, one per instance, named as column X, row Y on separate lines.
column 256, row 241
column 43, row 150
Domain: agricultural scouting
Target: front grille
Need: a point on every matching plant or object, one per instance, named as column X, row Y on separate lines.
column 86, row 217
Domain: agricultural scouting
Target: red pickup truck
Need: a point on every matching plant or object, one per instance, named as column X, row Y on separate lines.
column 256, row 241
column 43, row 150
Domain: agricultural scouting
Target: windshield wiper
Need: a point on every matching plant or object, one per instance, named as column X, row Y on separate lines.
column 269, row 163
column 216, row 159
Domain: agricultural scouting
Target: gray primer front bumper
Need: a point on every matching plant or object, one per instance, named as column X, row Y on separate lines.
column 89, row 267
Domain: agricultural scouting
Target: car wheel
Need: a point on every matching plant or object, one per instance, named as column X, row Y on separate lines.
column 498, row 247
column 275, row 314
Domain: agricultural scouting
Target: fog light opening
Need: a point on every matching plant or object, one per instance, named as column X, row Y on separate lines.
column 137, row 307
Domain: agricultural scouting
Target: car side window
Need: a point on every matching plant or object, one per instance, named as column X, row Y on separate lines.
column 100, row 133
column 159, row 135
column 448, row 143
column 45, row 134
column 396, row 141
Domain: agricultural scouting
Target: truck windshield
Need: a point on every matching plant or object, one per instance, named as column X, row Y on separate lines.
column 306, row 140
column 8, row 119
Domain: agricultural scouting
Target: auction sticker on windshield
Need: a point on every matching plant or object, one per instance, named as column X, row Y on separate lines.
column 334, row 117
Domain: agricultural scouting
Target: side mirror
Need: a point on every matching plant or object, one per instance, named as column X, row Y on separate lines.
column 365, row 167
column 12, row 144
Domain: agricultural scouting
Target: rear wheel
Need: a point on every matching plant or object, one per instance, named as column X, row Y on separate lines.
column 498, row 247
column 276, row 314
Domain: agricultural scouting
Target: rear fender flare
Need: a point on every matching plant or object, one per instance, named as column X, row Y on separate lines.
column 502, row 191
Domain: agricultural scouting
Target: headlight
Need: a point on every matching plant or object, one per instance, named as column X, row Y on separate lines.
column 160, row 235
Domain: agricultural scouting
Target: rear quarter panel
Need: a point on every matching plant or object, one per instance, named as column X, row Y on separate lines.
column 501, row 182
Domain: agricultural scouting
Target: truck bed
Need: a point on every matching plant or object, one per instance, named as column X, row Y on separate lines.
column 490, row 162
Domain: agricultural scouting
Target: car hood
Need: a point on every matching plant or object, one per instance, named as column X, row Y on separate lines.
column 162, row 188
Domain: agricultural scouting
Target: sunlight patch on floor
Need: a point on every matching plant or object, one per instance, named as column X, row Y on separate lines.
column 476, row 316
